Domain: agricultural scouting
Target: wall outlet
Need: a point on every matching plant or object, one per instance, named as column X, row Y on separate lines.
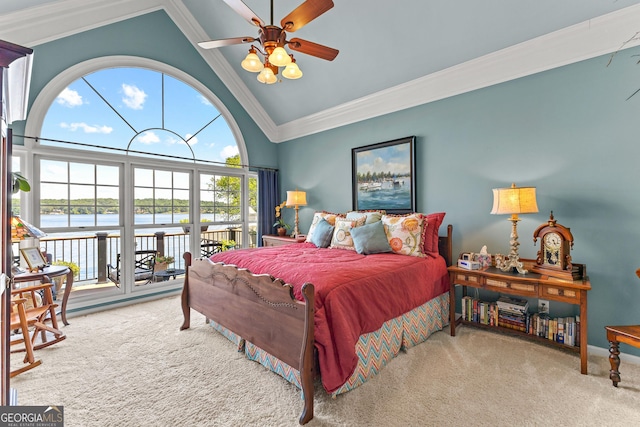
column 543, row 306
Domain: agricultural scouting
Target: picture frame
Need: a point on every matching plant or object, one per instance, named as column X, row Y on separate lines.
column 383, row 176
column 34, row 258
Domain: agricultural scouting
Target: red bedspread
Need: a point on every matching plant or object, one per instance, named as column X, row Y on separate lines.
column 354, row 294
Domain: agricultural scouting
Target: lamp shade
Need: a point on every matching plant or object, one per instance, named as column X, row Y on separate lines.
column 296, row 198
column 514, row 200
column 267, row 76
column 292, row 71
column 279, row 57
column 252, row 63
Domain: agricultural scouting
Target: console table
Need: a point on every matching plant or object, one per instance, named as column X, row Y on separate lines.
column 44, row 276
column 526, row 285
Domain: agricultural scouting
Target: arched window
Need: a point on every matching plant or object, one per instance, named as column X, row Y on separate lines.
column 140, row 112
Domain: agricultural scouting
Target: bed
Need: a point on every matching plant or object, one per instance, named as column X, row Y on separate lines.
column 303, row 310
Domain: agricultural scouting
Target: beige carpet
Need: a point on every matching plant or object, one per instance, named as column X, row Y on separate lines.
column 132, row 366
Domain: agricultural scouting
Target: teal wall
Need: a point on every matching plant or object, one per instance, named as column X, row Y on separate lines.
column 569, row 132
column 152, row 36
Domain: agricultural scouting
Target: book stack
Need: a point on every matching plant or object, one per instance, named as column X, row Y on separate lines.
column 478, row 311
column 562, row 330
column 513, row 313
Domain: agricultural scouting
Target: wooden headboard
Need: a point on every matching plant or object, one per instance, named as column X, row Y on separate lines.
column 445, row 246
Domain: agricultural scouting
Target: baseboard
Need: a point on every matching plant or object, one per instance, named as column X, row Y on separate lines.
column 604, row 352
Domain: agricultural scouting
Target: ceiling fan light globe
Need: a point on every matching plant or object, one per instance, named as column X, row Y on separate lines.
column 279, row 57
column 252, row 63
column 266, row 76
column 292, row 71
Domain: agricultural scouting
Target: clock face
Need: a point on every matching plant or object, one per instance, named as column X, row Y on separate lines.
column 551, row 250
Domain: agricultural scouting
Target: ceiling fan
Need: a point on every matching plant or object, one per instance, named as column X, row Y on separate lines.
column 273, row 39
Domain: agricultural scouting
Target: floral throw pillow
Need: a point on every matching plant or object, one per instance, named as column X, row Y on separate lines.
column 328, row 216
column 404, row 233
column 342, row 238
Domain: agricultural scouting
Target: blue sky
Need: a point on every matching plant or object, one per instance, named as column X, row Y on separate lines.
column 79, row 114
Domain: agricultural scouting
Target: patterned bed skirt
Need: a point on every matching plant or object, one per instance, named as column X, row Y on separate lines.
column 374, row 349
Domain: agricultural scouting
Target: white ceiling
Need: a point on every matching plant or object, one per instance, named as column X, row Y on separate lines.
column 393, row 55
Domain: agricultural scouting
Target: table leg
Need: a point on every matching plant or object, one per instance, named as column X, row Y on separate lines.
column 65, row 298
column 614, row 360
column 452, row 308
column 583, row 333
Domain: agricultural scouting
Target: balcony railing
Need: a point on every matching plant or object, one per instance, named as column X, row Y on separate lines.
column 93, row 253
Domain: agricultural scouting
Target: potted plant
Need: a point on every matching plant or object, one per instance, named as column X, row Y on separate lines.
column 59, row 279
column 162, row 261
column 280, row 225
column 19, row 183
column 227, row 244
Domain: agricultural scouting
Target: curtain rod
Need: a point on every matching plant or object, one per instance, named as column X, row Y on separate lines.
column 82, row 144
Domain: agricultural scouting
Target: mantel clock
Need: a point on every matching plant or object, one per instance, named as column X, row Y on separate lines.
column 554, row 256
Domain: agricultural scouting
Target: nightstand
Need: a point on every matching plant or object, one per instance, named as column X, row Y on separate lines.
column 275, row 240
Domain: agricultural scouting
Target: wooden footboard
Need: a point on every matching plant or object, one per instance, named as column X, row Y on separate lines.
column 260, row 309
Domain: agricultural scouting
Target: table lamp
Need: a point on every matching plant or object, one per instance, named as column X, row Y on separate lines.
column 514, row 201
column 295, row 199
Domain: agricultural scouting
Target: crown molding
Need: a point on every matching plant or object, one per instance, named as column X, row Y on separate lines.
column 37, row 25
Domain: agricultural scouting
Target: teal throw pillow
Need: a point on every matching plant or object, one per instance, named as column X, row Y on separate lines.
column 322, row 234
column 370, row 239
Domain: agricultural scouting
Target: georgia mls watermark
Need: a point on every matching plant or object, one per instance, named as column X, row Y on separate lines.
column 32, row 416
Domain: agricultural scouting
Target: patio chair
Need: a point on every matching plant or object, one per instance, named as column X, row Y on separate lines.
column 144, row 262
column 209, row 247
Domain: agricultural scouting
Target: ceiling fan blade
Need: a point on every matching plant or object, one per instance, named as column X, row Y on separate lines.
column 313, row 49
column 305, row 13
column 244, row 11
column 212, row 44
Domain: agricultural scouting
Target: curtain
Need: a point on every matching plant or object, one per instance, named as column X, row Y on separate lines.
column 268, row 198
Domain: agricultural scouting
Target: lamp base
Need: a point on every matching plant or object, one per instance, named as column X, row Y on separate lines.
column 512, row 262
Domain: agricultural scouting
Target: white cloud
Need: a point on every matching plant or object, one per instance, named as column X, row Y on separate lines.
column 193, row 141
column 172, row 140
column 204, row 100
column 134, row 97
column 149, row 138
column 229, row 151
column 86, row 128
column 69, row 98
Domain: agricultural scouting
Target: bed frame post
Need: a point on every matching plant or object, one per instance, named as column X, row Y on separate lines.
column 307, row 364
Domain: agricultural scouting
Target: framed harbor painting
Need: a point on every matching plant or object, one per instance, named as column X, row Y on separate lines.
column 384, row 176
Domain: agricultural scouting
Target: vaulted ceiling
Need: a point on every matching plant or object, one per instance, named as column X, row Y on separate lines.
column 393, row 55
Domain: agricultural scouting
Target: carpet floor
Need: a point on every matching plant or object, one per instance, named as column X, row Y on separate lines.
column 132, row 366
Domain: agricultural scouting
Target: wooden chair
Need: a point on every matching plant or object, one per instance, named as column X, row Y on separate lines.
column 620, row 334
column 20, row 324
column 40, row 310
column 144, row 262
